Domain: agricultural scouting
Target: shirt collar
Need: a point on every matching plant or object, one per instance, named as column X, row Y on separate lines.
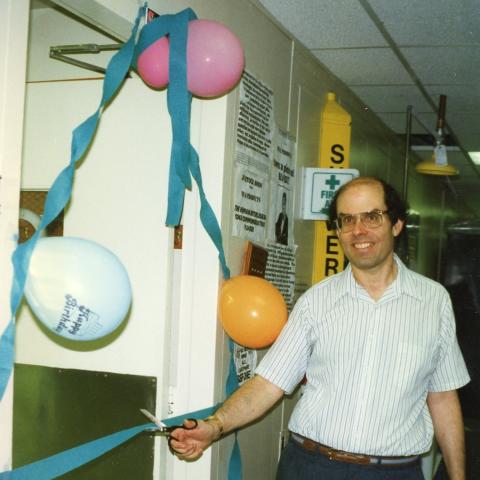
column 403, row 284
column 405, row 281
column 347, row 284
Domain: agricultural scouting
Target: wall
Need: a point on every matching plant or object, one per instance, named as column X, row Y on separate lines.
column 375, row 150
column 13, row 51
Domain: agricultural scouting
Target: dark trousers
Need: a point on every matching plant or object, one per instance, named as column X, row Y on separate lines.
column 296, row 463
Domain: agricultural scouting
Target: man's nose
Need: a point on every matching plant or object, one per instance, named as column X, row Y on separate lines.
column 358, row 227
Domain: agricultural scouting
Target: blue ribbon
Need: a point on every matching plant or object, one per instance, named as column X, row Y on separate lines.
column 184, row 164
column 184, row 161
column 64, row 462
column 235, row 463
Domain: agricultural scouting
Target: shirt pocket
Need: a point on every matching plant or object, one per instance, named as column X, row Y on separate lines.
column 411, row 366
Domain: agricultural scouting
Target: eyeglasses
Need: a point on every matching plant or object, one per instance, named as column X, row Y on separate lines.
column 373, row 219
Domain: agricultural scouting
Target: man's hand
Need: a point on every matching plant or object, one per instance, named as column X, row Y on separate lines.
column 253, row 399
column 190, row 444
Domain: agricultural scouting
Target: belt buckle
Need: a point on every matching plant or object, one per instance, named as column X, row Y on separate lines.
column 330, row 454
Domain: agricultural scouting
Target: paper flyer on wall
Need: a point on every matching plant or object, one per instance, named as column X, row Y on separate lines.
column 253, row 160
column 282, row 183
column 250, row 204
column 255, row 124
column 281, row 265
column 245, row 362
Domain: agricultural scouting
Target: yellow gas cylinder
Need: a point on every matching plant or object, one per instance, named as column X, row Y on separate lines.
column 334, row 135
column 334, row 152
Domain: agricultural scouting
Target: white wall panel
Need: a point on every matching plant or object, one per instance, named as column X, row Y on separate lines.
column 13, row 50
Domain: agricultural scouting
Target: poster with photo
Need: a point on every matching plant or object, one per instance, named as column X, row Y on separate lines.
column 253, row 158
column 282, row 181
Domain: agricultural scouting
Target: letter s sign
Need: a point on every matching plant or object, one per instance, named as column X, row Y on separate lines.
column 338, row 156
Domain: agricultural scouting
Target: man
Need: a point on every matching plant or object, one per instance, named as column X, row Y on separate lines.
column 281, row 225
column 377, row 344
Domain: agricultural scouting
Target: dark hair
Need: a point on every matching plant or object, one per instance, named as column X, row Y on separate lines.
column 397, row 208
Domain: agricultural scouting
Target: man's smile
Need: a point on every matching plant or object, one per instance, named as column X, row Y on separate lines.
column 363, row 245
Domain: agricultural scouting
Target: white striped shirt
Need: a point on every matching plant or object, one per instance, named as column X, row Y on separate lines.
column 369, row 365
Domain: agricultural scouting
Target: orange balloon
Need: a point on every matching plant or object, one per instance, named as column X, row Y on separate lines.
column 252, row 311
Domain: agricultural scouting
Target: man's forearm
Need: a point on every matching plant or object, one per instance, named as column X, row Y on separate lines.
column 449, row 431
column 249, row 402
column 253, row 399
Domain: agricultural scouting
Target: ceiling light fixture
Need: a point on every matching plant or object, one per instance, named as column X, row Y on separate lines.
column 438, row 164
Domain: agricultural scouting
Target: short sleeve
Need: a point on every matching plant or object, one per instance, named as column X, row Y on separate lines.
column 450, row 371
column 285, row 363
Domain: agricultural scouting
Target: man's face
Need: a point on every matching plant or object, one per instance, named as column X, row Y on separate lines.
column 366, row 248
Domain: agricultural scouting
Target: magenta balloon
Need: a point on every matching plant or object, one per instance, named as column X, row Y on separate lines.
column 215, row 58
column 152, row 64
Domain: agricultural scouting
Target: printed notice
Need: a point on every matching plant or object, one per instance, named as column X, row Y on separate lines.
column 250, row 206
column 281, row 270
column 245, row 362
column 282, row 189
column 255, row 124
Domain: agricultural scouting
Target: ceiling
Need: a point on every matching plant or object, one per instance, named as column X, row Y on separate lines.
column 399, row 53
column 393, row 54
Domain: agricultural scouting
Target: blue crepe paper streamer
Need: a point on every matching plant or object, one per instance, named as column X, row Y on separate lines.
column 184, row 162
column 59, row 195
column 64, row 462
column 235, row 471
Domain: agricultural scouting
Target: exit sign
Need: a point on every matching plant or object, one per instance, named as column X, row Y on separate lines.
column 319, row 187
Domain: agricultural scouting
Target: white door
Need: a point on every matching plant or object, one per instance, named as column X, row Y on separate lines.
column 119, row 200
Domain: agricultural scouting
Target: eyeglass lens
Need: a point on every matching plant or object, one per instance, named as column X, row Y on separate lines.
column 371, row 219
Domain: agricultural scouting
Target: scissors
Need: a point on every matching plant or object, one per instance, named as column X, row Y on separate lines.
column 162, row 428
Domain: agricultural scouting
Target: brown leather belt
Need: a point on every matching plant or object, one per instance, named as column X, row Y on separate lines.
column 341, row 456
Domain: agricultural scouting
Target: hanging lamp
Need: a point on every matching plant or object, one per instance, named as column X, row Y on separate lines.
column 438, row 165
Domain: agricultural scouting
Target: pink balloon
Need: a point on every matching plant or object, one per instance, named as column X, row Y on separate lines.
column 152, row 64
column 215, row 60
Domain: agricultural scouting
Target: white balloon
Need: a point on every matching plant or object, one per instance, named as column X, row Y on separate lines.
column 77, row 288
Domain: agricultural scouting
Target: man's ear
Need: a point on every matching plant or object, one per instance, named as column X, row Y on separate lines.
column 398, row 227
